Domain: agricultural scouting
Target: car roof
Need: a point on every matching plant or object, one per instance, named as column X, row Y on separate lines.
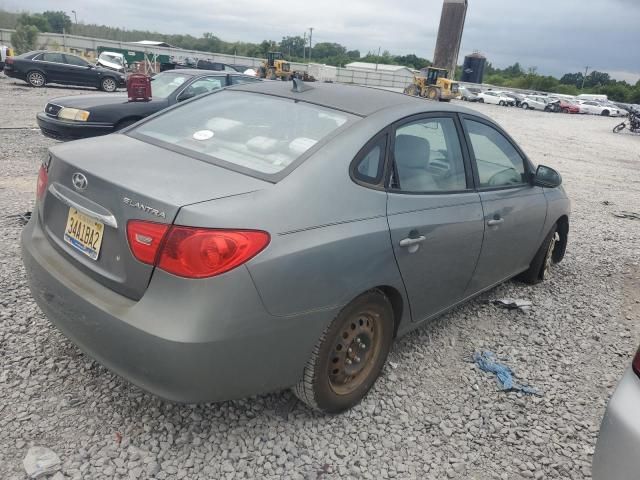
column 359, row 100
column 201, row 71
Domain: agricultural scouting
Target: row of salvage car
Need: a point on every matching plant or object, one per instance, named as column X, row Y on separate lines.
column 584, row 104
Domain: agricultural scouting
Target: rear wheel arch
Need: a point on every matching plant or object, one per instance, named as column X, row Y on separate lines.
column 397, row 304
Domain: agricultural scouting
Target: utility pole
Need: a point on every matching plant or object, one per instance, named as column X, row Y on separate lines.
column 310, row 43
column 304, row 47
column 75, row 16
column 586, row 69
column 377, row 59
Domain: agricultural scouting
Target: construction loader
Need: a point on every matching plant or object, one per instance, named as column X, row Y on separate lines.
column 434, row 84
column 276, row 67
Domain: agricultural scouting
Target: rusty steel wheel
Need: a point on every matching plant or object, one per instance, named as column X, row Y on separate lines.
column 355, row 348
column 349, row 356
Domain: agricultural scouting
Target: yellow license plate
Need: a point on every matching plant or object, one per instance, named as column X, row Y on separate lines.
column 84, row 233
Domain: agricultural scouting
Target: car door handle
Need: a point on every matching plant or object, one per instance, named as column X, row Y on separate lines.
column 495, row 221
column 409, row 242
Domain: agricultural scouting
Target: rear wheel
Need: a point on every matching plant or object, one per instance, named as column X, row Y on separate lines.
column 541, row 264
column 501, row 103
column 605, row 113
column 412, row 90
column 36, row 79
column 108, row 84
column 349, row 356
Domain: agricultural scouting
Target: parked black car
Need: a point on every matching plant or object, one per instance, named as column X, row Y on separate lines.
column 82, row 116
column 41, row 67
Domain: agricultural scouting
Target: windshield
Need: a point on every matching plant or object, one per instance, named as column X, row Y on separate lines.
column 164, row 84
column 258, row 132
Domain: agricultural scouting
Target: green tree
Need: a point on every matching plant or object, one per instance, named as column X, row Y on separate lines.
column 59, row 21
column 25, row 38
column 37, row 20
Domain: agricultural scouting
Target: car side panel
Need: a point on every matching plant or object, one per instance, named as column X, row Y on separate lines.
column 329, row 236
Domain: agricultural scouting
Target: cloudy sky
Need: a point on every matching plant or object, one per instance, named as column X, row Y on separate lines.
column 556, row 36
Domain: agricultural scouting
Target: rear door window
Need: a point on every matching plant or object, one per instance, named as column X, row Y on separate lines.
column 428, row 157
column 257, row 133
column 53, row 57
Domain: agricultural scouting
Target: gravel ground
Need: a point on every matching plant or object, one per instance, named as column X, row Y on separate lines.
column 432, row 414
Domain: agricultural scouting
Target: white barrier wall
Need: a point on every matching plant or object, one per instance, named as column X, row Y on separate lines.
column 322, row 72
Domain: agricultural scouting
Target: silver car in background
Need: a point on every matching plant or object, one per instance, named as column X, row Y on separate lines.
column 617, row 455
column 265, row 237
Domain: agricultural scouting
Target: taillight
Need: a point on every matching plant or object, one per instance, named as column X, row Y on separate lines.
column 9, row 61
column 145, row 239
column 636, row 363
column 193, row 252
column 201, row 252
column 43, row 179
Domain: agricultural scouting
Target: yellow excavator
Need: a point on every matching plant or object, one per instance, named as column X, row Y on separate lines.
column 434, row 84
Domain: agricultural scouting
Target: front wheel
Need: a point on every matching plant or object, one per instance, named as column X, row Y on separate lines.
column 108, row 84
column 605, row 113
column 36, row 79
column 481, row 100
column 349, row 356
column 619, row 128
column 501, row 103
column 540, row 266
column 525, row 106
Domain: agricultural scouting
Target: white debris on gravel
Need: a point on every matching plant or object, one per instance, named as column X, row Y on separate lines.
column 40, row 462
column 432, row 414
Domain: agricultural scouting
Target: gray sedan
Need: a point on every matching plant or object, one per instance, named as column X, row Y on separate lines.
column 617, row 454
column 268, row 237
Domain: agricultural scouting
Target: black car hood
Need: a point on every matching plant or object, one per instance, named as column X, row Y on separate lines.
column 87, row 101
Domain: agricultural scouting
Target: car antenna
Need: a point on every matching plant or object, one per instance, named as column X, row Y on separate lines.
column 299, row 86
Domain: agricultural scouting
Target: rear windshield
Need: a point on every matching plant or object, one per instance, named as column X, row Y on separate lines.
column 261, row 133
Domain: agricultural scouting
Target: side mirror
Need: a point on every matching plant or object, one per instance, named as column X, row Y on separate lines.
column 547, row 177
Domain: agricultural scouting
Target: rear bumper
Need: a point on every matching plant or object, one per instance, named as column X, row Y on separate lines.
column 617, row 454
column 66, row 130
column 184, row 340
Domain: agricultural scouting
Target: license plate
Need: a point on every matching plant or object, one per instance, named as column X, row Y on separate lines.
column 84, row 233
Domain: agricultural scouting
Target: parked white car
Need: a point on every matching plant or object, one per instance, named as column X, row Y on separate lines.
column 494, row 98
column 595, row 108
column 533, row 102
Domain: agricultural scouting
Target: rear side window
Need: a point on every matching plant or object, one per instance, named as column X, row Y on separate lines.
column 369, row 165
column 53, row 57
column 499, row 163
column 261, row 133
column 237, row 79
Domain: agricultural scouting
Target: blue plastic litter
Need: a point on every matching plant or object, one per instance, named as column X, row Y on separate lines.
column 487, row 362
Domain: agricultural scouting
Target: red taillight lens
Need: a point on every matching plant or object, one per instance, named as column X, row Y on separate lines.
column 9, row 61
column 193, row 252
column 43, row 179
column 201, row 252
column 636, row 363
column 145, row 239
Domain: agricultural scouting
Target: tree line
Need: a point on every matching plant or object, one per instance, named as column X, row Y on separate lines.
column 296, row 49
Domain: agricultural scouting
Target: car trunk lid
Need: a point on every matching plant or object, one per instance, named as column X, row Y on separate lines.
column 115, row 179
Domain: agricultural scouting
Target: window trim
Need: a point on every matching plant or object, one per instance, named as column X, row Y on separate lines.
column 381, row 138
column 466, row 159
column 528, row 166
